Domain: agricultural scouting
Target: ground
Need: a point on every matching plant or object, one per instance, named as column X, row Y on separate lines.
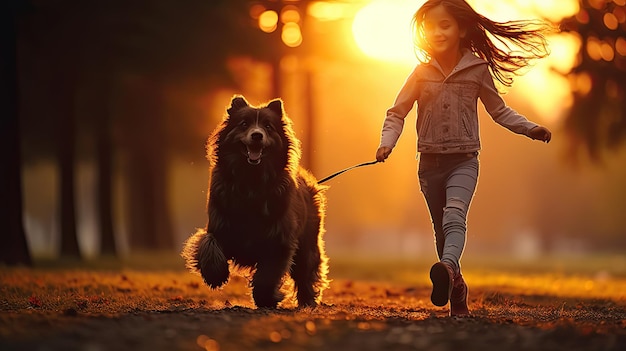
column 575, row 304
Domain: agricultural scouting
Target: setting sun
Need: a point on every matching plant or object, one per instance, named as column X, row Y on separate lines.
column 382, row 30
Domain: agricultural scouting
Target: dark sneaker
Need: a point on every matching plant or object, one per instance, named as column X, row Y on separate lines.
column 441, row 276
column 458, row 297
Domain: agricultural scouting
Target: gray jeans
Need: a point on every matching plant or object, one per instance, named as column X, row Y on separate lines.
column 448, row 182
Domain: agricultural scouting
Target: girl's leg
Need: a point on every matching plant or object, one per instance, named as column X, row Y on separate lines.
column 448, row 189
column 448, row 186
column 460, row 187
column 433, row 187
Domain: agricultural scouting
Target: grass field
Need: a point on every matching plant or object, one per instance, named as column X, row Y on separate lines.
column 148, row 302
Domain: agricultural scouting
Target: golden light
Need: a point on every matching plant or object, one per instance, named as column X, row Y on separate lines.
column 606, row 51
column 268, row 21
column 382, row 29
column 541, row 83
column 289, row 14
column 620, row 46
column 582, row 17
column 554, row 10
column 506, row 10
column 610, row 21
column 291, row 35
column 326, row 11
column 581, row 83
column 562, row 49
column 207, row 343
column 597, row 4
column 594, row 48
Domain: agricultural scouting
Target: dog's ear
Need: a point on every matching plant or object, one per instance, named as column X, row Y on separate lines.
column 276, row 106
column 237, row 104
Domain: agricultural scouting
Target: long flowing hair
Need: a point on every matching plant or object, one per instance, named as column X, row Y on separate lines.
column 521, row 41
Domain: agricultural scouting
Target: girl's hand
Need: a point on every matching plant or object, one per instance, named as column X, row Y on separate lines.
column 540, row 133
column 382, row 153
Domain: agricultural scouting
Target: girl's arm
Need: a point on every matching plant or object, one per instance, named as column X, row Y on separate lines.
column 498, row 109
column 394, row 120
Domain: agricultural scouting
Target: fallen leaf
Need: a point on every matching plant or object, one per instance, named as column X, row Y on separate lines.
column 34, row 301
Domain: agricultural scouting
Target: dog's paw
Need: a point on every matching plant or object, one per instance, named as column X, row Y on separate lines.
column 263, row 299
column 307, row 303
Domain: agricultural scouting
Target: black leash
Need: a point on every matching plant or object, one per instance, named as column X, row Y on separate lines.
column 345, row 170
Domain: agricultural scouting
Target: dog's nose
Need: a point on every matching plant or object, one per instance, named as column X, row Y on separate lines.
column 256, row 136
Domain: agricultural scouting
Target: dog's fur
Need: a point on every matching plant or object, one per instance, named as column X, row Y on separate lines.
column 266, row 213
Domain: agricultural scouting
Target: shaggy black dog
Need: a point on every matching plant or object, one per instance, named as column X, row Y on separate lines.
column 266, row 213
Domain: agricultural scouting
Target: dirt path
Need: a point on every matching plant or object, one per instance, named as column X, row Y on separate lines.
column 172, row 310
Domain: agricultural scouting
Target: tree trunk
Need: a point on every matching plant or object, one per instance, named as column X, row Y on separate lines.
column 104, row 160
column 13, row 245
column 66, row 153
column 66, row 157
column 150, row 224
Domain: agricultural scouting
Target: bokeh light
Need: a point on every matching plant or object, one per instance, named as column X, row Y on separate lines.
column 291, row 35
column 620, row 46
column 597, row 4
column 289, row 14
column 606, row 51
column 610, row 21
column 207, row 343
column 581, row 83
column 268, row 21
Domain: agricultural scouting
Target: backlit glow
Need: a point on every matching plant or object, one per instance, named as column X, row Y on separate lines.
column 382, row 30
column 326, row 11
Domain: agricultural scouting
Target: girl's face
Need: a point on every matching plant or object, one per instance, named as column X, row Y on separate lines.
column 443, row 33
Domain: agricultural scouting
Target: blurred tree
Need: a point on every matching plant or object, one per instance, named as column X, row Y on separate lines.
column 168, row 46
column 48, row 81
column 103, row 88
column 58, row 46
column 117, row 61
column 64, row 108
column 13, row 244
column 597, row 120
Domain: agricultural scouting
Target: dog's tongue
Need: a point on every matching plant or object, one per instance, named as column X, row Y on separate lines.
column 254, row 155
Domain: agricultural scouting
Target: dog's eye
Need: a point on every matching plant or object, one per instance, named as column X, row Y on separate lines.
column 268, row 126
column 243, row 124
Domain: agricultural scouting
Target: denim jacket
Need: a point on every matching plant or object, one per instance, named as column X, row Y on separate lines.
column 447, row 118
